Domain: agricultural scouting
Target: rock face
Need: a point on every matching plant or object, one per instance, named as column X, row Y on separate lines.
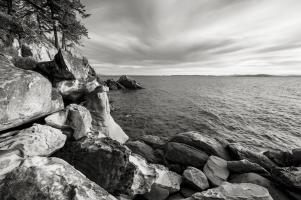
column 38, row 140
column 210, row 145
column 102, row 121
column 24, row 96
column 227, row 191
column 129, row 83
column 288, row 176
column 50, row 179
column 154, row 141
column 216, row 170
column 186, row 155
column 143, row 150
column 196, row 179
column 245, row 166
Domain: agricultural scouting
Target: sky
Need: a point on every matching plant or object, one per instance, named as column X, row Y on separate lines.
column 194, row 37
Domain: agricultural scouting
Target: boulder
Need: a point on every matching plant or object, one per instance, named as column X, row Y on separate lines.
column 80, row 120
column 275, row 192
column 129, row 83
column 228, row 191
column 175, row 197
column 143, row 150
column 208, row 144
column 195, row 178
column 57, row 120
column 157, row 193
column 187, row 192
column 9, row 160
column 216, row 170
column 102, row 121
column 281, row 158
column 245, row 166
column 38, row 140
column 24, row 96
column 289, row 177
column 154, row 141
column 186, row 155
column 114, row 85
column 52, row 179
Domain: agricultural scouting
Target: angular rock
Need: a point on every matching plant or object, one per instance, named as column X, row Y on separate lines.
column 245, row 166
column 274, row 191
column 38, row 140
column 186, row 155
column 51, row 179
column 208, row 144
column 143, row 150
column 196, row 179
column 281, row 158
column 80, row 120
column 129, row 83
column 154, row 141
column 24, row 96
column 216, row 170
column 289, row 177
column 102, row 121
column 9, row 160
column 228, row 191
column 57, row 120
column 114, row 85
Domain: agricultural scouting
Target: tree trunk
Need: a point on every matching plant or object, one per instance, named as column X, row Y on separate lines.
column 56, row 40
column 63, row 41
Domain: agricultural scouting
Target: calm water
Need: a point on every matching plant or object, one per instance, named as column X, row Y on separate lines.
column 258, row 111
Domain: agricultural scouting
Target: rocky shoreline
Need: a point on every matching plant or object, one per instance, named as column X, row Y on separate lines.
column 59, row 141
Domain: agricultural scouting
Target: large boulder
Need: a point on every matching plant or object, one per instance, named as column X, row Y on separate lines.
column 102, row 121
column 228, row 191
column 216, row 170
column 24, row 96
column 129, row 83
column 196, row 179
column 38, row 140
column 185, row 155
column 208, row 144
column 245, row 166
column 155, row 141
column 50, row 179
column 274, row 191
column 143, row 150
column 289, row 177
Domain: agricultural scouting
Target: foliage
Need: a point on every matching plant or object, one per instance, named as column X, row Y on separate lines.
column 27, row 63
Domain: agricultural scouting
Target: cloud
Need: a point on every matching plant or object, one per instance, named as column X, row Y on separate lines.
column 194, row 37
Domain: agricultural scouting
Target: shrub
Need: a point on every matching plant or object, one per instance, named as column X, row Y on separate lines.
column 27, row 63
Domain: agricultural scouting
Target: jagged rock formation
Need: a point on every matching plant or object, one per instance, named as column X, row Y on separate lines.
column 128, row 83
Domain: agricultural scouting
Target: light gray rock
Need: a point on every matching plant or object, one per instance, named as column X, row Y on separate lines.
column 57, row 120
column 50, row 179
column 196, row 179
column 9, row 160
column 38, row 140
column 216, row 170
column 154, row 141
column 143, row 150
column 245, row 166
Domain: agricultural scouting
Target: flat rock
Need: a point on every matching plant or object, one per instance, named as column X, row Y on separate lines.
column 289, row 177
column 245, row 166
column 195, row 178
column 208, row 144
column 185, row 155
column 216, row 170
column 57, row 120
column 154, row 141
column 24, row 96
column 38, row 140
column 52, row 179
column 228, row 191
column 129, row 83
column 143, row 150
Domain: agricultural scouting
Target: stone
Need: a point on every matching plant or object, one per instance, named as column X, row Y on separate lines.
column 38, row 140
column 186, row 155
column 289, row 177
column 274, row 191
column 9, row 160
column 57, row 120
column 281, row 158
column 296, row 156
column 52, row 179
column 187, row 192
column 143, row 150
column 196, row 179
column 102, row 121
column 241, row 152
column 228, row 191
column 26, row 51
column 157, row 193
column 42, row 51
column 175, row 197
column 114, row 85
column 154, row 141
column 216, row 170
column 208, row 144
column 129, row 83
column 80, row 120
column 24, row 96
column 245, row 166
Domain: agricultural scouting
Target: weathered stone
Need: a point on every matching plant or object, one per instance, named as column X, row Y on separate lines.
column 24, row 96
column 186, row 155
column 50, row 179
column 216, row 170
column 129, row 83
column 208, row 144
column 275, row 192
column 57, row 120
column 289, row 177
column 9, row 160
column 38, row 140
column 143, row 150
column 227, row 191
column 154, row 141
column 102, row 121
column 196, row 179
column 281, row 158
column 80, row 120
column 245, row 166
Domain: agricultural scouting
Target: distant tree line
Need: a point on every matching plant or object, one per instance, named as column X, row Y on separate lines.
column 44, row 17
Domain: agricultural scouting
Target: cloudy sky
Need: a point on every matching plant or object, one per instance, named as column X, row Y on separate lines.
column 216, row 37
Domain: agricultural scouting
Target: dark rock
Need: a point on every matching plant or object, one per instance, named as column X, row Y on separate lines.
column 196, row 179
column 289, row 177
column 178, row 168
column 185, row 155
column 216, row 170
column 245, row 166
column 296, row 156
column 208, row 144
column 114, row 85
column 187, row 192
column 281, row 158
column 143, row 150
column 129, row 83
column 175, row 197
column 27, row 63
column 26, row 51
column 155, row 141
column 157, row 193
